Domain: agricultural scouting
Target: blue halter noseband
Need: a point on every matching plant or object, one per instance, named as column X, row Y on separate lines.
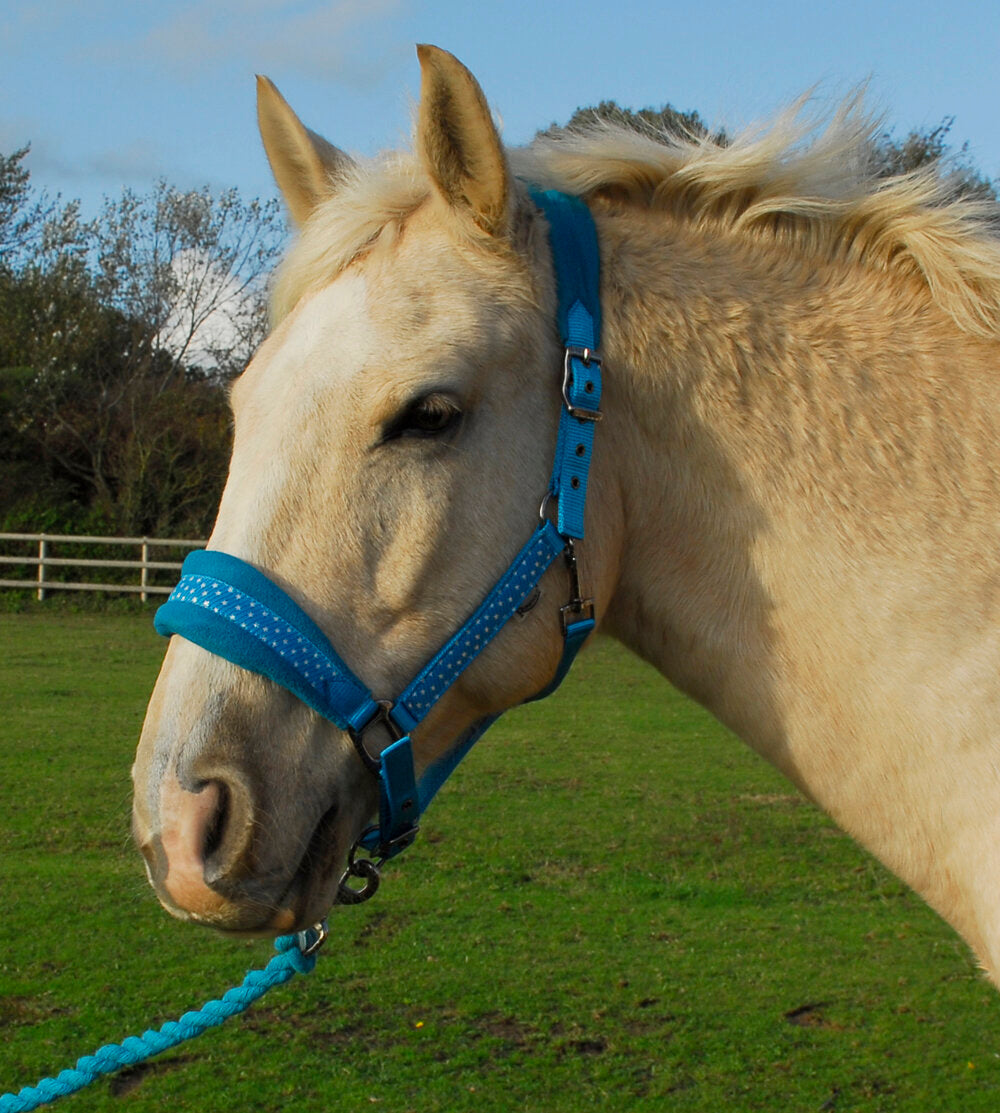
column 228, row 607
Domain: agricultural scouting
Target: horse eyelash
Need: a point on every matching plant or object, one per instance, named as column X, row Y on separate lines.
column 405, row 425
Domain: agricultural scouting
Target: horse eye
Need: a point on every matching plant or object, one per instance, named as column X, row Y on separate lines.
column 429, row 416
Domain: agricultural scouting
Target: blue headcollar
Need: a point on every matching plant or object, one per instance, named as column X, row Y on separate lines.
column 233, row 610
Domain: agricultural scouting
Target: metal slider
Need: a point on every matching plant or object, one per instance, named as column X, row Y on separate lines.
column 577, row 607
column 579, row 610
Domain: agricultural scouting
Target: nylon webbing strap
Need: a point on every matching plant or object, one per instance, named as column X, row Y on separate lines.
column 573, row 240
column 516, row 584
column 576, row 259
column 233, row 610
column 398, row 803
column 576, row 634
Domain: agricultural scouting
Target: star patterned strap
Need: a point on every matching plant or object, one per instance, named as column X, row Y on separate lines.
column 233, row 610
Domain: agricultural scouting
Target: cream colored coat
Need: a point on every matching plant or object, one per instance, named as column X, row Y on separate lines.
column 795, row 511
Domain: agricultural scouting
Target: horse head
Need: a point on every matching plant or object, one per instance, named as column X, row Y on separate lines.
column 393, row 442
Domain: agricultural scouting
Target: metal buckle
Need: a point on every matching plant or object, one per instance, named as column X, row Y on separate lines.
column 586, row 357
column 383, row 717
column 367, row 870
column 577, row 605
column 583, row 609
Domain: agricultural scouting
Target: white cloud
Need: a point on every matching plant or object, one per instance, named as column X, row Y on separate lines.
column 211, row 313
column 135, row 161
column 27, row 19
column 314, row 39
column 15, row 132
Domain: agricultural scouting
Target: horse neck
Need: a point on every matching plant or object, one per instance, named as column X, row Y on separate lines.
column 784, row 427
column 799, row 463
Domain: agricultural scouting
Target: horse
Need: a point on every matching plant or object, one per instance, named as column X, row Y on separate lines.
column 794, row 496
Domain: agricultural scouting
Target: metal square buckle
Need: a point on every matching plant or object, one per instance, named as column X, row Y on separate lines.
column 586, row 357
column 576, row 610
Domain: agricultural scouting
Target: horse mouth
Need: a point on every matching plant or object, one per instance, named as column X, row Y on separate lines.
column 306, row 899
column 256, row 906
column 313, row 888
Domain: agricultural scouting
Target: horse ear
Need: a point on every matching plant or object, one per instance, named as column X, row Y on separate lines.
column 458, row 143
column 304, row 165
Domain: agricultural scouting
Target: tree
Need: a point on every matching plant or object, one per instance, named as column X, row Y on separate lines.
column 144, row 448
column 655, row 122
column 193, row 268
column 14, row 189
column 923, row 148
column 23, row 214
column 116, row 339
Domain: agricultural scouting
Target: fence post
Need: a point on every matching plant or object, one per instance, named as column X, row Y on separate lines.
column 144, row 572
column 43, row 552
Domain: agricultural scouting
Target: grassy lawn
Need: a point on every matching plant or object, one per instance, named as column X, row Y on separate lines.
column 613, row 905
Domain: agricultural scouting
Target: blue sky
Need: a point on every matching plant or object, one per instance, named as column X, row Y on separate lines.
column 112, row 94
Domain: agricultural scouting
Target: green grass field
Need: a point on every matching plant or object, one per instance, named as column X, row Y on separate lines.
column 613, row 905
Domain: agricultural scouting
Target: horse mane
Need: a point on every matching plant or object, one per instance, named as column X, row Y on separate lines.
column 810, row 186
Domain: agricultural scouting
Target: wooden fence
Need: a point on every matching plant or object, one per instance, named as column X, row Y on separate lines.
column 144, row 576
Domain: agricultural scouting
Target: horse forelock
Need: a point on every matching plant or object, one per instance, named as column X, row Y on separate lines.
column 372, row 197
column 809, row 186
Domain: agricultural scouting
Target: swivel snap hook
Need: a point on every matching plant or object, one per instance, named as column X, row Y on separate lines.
column 310, row 940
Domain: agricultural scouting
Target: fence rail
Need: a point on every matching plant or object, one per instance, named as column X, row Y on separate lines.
column 41, row 559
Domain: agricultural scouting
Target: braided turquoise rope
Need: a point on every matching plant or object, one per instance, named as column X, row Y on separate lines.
column 289, row 961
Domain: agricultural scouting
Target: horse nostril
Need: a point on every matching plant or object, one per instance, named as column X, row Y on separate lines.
column 207, row 840
column 216, row 827
column 228, row 835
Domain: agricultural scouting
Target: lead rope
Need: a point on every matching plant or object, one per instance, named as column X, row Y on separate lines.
column 296, row 955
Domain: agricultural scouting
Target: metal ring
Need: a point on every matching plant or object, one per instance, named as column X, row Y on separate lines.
column 382, row 715
column 366, row 869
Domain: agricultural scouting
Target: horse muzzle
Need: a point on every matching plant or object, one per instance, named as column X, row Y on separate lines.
column 246, row 804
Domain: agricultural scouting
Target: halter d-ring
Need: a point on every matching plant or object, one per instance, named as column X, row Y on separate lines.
column 367, row 869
